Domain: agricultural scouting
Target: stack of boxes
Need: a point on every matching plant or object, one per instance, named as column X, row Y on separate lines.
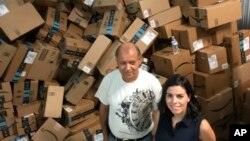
column 53, row 56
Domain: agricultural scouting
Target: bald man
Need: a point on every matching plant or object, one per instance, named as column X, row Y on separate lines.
column 129, row 97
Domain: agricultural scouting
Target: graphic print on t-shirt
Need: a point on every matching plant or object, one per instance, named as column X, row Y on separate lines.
column 135, row 110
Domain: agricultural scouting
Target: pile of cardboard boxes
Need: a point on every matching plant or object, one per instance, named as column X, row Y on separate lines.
column 54, row 54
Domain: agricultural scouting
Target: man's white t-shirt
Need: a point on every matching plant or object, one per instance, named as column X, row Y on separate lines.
column 130, row 104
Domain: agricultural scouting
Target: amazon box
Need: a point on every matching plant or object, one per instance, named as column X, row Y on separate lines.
column 50, row 131
column 214, row 15
column 75, row 114
column 20, row 20
column 218, row 106
column 149, row 7
column 77, row 86
column 211, row 59
column 7, row 52
column 167, row 64
column 165, row 30
column 5, row 92
column 205, row 86
column 91, row 58
column 26, row 124
column 54, row 97
column 141, row 34
column 101, row 6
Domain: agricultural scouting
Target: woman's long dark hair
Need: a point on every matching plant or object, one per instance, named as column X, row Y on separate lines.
column 193, row 108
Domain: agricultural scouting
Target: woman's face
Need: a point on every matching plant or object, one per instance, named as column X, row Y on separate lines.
column 177, row 100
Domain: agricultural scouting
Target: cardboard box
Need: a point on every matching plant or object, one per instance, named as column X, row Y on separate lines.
column 141, row 34
column 26, row 124
column 91, row 95
column 90, row 121
column 74, row 48
column 56, row 20
column 150, row 8
column 237, row 46
column 77, row 86
column 50, row 37
column 23, row 18
column 7, row 52
column 101, row 6
column 162, row 79
column 211, row 59
column 167, row 64
column 215, row 15
column 113, row 23
column 91, row 58
column 165, row 30
column 218, row 33
column 26, row 109
column 107, row 62
column 74, row 31
column 43, row 88
column 7, row 131
column 8, row 108
column 25, row 92
column 46, row 63
column 173, row 14
column 80, row 16
column 191, row 38
column 205, row 86
column 75, row 114
column 217, row 106
column 132, row 7
column 50, row 131
column 54, row 97
column 17, row 68
column 5, row 92
column 92, row 31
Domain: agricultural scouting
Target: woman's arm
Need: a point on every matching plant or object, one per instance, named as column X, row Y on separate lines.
column 206, row 131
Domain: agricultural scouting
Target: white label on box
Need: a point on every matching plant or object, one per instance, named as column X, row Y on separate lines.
column 23, row 73
column 30, row 57
column 246, row 43
column 148, row 38
column 88, row 2
column 145, row 13
column 23, row 139
column 98, row 137
column 152, row 23
column 224, row 66
column 198, row 44
column 68, row 109
column 28, row 115
column 57, row 127
column 213, row 63
column 3, row 10
column 86, row 69
column 236, row 84
column 247, row 57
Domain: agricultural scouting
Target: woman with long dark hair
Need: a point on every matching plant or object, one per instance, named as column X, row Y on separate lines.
column 180, row 118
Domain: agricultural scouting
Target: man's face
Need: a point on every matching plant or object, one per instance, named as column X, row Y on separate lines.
column 128, row 63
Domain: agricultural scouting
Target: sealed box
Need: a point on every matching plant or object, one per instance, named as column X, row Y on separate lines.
column 54, row 97
column 80, row 16
column 107, row 62
column 50, row 37
column 25, row 92
column 46, row 63
column 101, row 6
column 167, row 64
column 211, row 59
column 139, row 33
column 91, row 58
column 75, row 114
column 26, row 125
column 5, row 92
column 23, row 19
column 218, row 106
column 214, row 15
column 237, row 46
column 150, row 8
column 26, row 109
column 204, row 85
column 191, row 38
column 50, row 131
column 165, row 30
column 74, row 31
column 7, row 52
column 92, row 31
column 113, row 23
column 77, row 86
column 173, row 14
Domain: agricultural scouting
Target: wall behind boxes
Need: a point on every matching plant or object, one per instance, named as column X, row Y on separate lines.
column 150, row 31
